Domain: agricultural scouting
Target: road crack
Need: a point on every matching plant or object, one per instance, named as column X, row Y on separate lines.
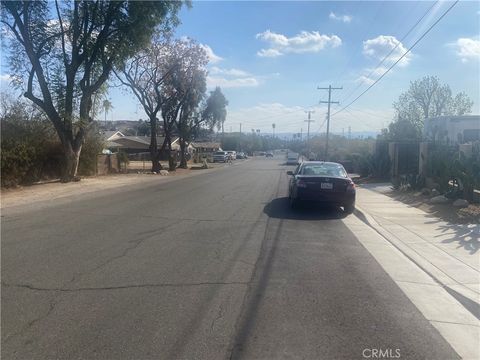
column 130, row 286
column 32, row 322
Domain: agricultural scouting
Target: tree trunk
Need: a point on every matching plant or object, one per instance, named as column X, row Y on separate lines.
column 154, row 153
column 172, row 164
column 183, row 159
column 70, row 167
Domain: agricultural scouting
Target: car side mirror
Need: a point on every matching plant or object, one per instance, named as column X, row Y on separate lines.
column 289, row 172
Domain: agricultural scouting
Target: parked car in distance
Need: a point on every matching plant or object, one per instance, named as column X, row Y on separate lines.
column 241, row 155
column 220, row 156
column 269, row 154
column 292, row 158
column 322, row 182
column 232, row 154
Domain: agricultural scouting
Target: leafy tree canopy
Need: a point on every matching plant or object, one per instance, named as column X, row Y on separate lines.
column 425, row 98
column 216, row 108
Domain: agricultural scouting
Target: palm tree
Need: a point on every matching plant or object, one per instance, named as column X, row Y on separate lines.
column 107, row 106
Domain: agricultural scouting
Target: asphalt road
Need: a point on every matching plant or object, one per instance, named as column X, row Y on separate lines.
column 215, row 266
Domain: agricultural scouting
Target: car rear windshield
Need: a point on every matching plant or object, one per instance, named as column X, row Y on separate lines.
column 220, row 153
column 323, row 170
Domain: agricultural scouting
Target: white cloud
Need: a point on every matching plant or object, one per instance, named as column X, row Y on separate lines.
column 269, row 53
column 304, row 42
column 225, row 83
column 5, row 77
column 231, row 78
column 212, row 57
column 6, row 82
column 468, row 49
column 381, row 46
column 232, row 72
column 364, row 79
column 370, row 75
column 344, row 18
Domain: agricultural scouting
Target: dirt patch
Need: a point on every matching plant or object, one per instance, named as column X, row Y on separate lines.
column 55, row 190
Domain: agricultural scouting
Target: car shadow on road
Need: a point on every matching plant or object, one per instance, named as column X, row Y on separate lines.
column 280, row 209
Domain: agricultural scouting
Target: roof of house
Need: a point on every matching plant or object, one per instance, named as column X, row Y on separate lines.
column 112, row 135
column 138, row 142
column 112, row 144
column 207, row 145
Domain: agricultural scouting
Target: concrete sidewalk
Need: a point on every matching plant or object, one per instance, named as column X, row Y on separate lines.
column 449, row 253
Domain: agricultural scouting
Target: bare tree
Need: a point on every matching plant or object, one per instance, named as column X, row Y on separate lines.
column 158, row 78
column 144, row 74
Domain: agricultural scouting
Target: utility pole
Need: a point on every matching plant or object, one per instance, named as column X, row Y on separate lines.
column 330, row 88
column 240, row 138
column 309, row 112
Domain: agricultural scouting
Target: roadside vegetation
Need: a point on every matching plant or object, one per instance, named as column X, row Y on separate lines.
column 30, row 148
column 64, row 55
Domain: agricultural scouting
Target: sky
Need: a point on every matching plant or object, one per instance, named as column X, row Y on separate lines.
column 269, row 58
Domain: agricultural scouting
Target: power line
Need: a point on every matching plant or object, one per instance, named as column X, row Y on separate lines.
column 396, row 62
column 321, row 126
column 369, row 113
column 391, row 51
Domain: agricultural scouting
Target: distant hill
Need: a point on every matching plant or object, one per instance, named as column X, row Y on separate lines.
column 354, row 135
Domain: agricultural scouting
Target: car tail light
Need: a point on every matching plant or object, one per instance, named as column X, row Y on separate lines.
column 351, row 186
column 301, row 184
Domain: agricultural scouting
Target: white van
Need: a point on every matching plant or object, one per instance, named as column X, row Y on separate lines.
column 292, row 158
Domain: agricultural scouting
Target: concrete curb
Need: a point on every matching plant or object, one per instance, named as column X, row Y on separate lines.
column 468, row 298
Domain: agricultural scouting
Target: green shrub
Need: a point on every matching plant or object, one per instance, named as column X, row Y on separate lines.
column 93, row 145
column 17, row 158
column 30, row 149
column 375, row 165
column 466, row 171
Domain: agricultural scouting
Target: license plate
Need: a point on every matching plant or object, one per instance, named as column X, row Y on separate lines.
column 326, row 186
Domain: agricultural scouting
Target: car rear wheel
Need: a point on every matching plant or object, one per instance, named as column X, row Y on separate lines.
column 293, row 202
column 349, row 208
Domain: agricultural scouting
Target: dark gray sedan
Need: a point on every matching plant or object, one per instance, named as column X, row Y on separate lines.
column 322, row 182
